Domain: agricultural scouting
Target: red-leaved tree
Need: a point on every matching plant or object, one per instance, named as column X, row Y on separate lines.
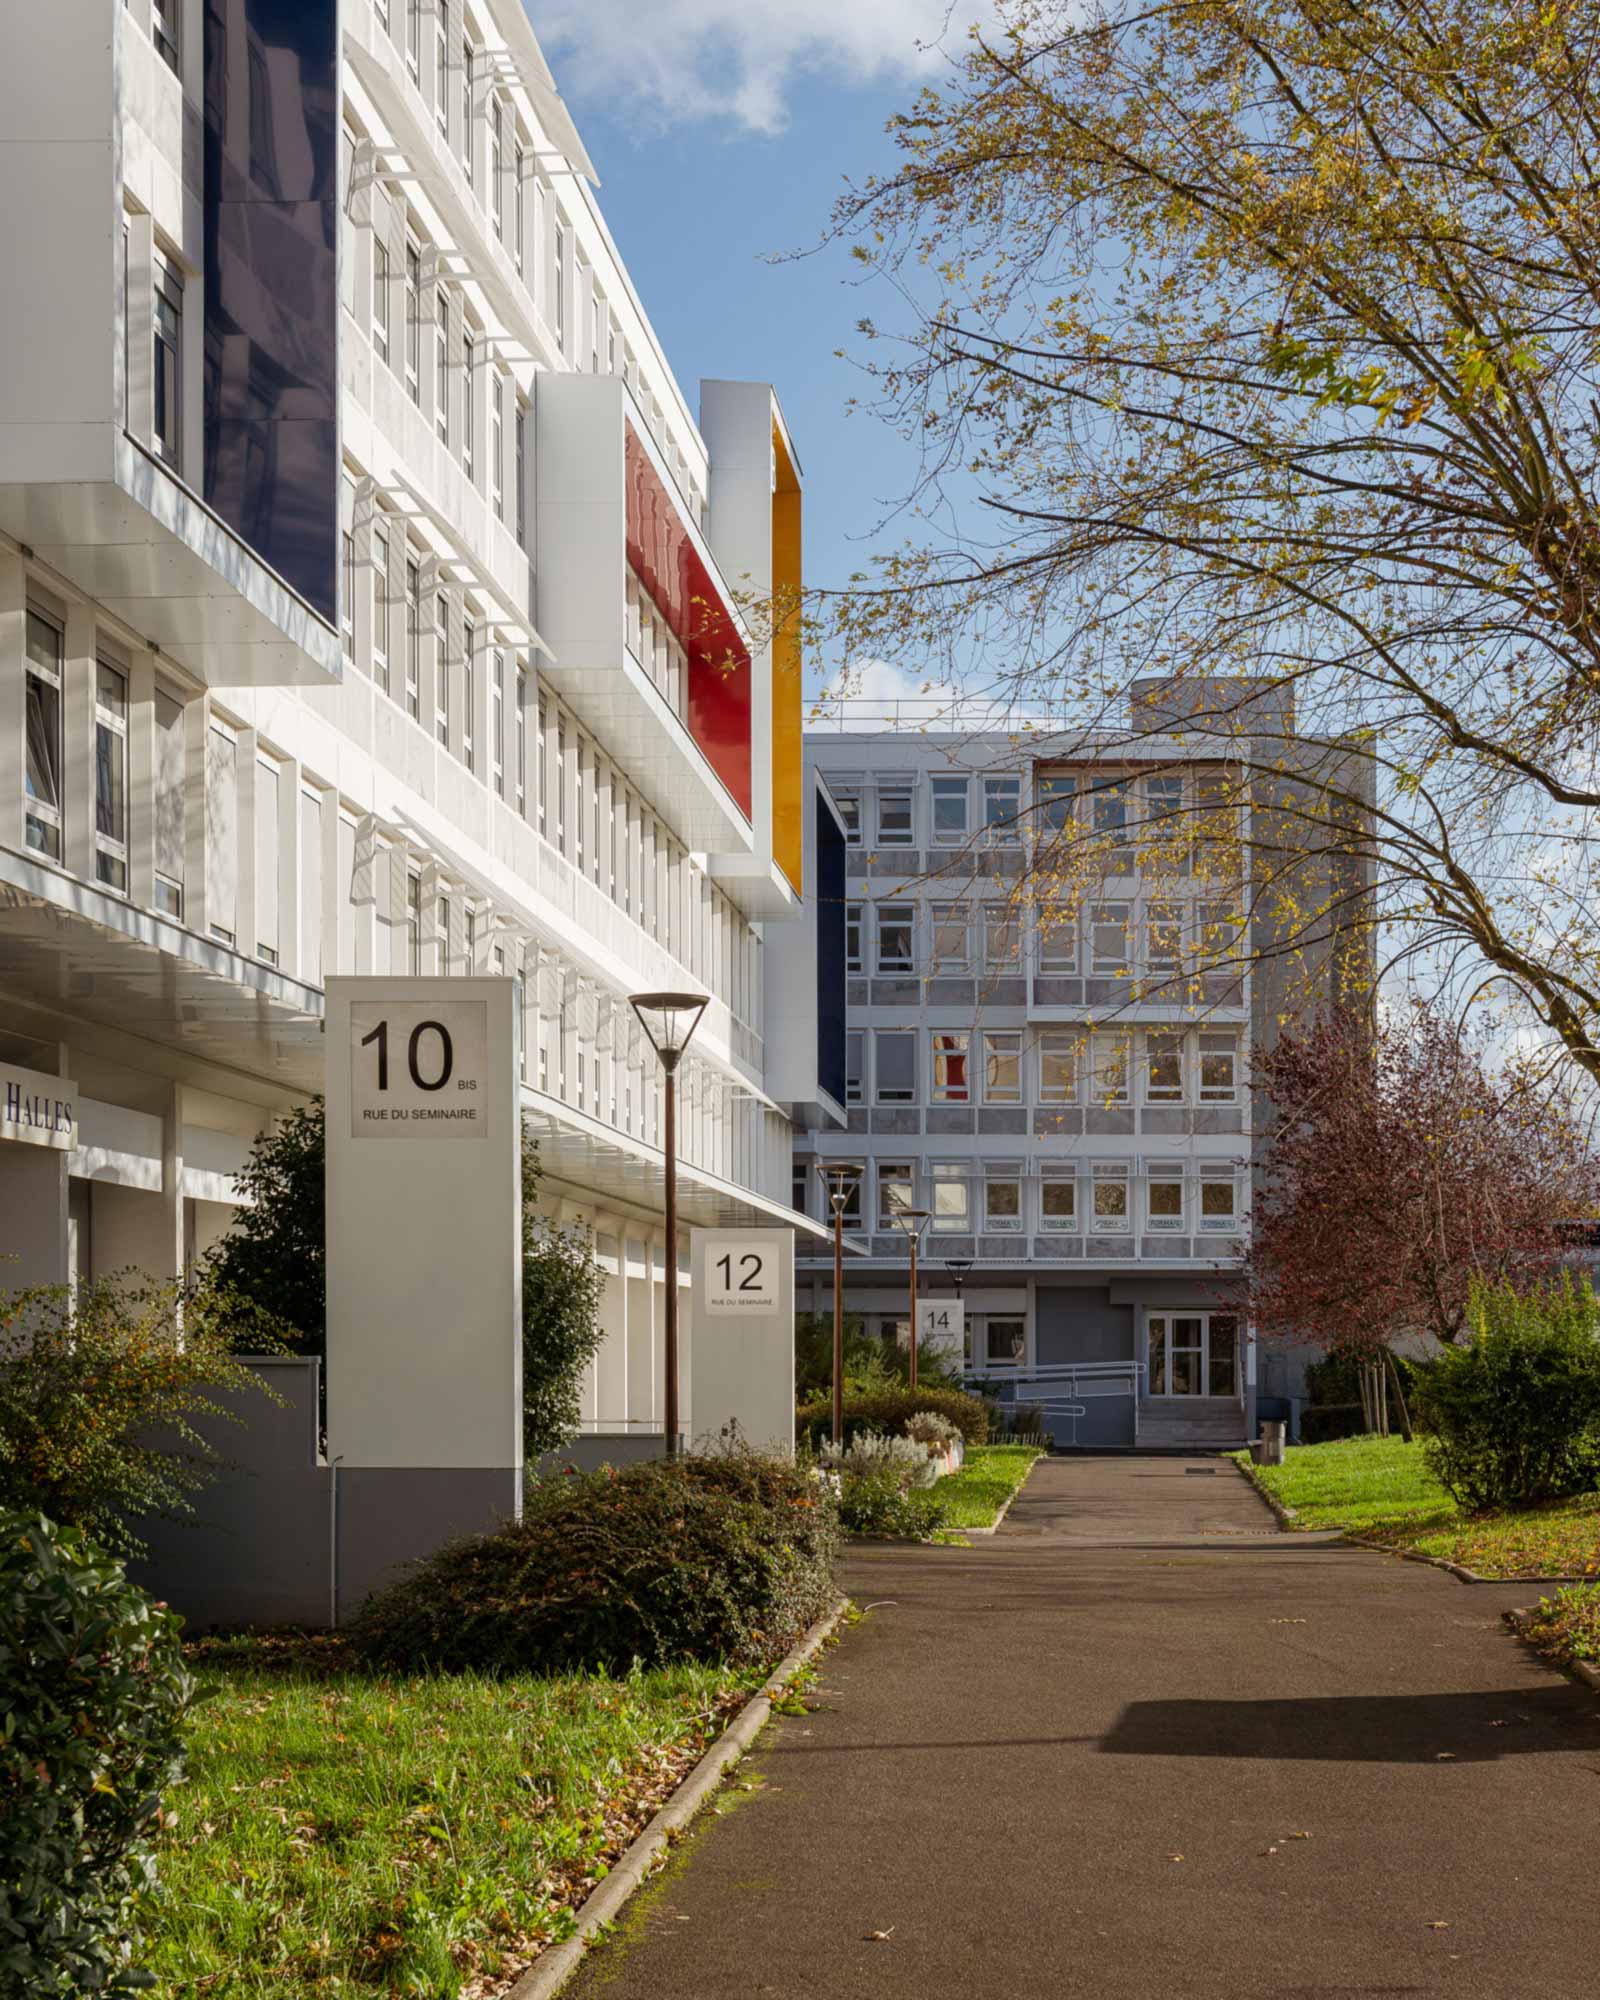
column 1399, row 1166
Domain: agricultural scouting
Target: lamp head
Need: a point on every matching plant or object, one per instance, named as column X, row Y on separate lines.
column 910, row 1221
column 840, row 1179
column 669, row 1020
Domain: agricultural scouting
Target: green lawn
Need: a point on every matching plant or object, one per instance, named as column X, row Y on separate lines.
column 1381, row 1488
column 1567, row 1624
column 991, row 1474
column 346, row 1834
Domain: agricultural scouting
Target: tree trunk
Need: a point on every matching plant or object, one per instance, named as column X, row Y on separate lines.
column 1406, row 1431
column 1364, row 1385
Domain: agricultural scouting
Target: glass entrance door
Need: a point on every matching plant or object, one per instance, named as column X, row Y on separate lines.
column 1193, row 1354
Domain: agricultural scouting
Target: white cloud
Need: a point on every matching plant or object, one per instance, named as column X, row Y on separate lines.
column 877, row 695
column 738, row 61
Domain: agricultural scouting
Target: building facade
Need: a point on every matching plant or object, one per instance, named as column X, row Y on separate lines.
column 1058, row 966
column 365, row 607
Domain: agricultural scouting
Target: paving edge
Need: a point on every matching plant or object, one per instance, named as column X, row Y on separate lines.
column 994, row 1526
column 552, row 1969
column 1286, row 1516
column 1580, row 1670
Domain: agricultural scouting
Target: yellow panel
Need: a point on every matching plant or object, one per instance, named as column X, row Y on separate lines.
column 788, row 709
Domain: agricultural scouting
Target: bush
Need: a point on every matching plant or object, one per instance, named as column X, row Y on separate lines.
column 710, row 1558
column 872, row 1454
column 932, row 1431
column 1321, row 1423
column 1514, row 1416
column 101, row 1396
column 892, row 1410
column 561, row 1329
column 92, row 1697
column 882, row 1504
column 872, row 1362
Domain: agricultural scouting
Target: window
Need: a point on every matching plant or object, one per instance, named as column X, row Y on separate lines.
column 1002, row 1197
column 446, row 923
column 853, row 916
column 1059, row 1052
column 164, row 32
column 1108, row 939
column 1108, row 1082
column 1165, row 831
column 522, row 741
column 1163, row 1069
column 170, row 815
column 497, row 152
column 497, row 720
column 1215, row 824
column 1220, row 943
column 413, row 640
column 520, row 176
column 414, row 923
column 853, row 1047
column 800, row 1188
column 1219, row 1069
column 849, row 804
column 1163, row 1197
column 952, row 938
column 950, row 1084
column 41, row 825
column 561, row 288
column 380, row 607
column 414, row 36
column 1002, row 1067
column 441, row 73
column 895, row 937
column 1058, row 1199
column 497, row 446
column 441, row 668
column 414, row 323
column 380, row 298
column 110, row 777
column 894, row 816
column 1004, row 1342
column 1053, row 804
column 168, row 354
column 441, row 364
column 895, row 1065
column 469, row 406
column 952, row 1213
column 347, row 594
column 1219, row 1200
column 1109, row 814
column 466, row 109
column 1002, row 808
column 950, row 811
column 1163, row 939
column 1002, row 940
column 1193, row 1354
column 897, row 1191
column 469, row 692
column 1057, row 931
column 521, row 473
column 381, row 9
column 1110, row 1214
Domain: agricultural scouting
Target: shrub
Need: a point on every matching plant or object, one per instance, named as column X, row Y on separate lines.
column 101, row 1395
column 1321, row 1423
column 1514, row 1415
column 92, row 1697
column 561, row 1329
column 707, row 1558
column 872, row 1362
column 871, row 1454
column 931, row 1430
column 882, row 1504
column 892, row 1410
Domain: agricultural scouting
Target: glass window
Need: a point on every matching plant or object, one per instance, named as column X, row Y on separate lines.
column 1108, row 939
column 42, row 729
column 1058, row 1199
column 1219, row 943
column 952, row 932
column 467, row 64
column 1166, row 830
column 1002, row 1198
column 522, row 741
column 950, row 1066
column 441, row 668
column 1002, row 1067
column 414, row 323
column 1053, row 803
column 894, row 817
column 168, row 331
column 1163, row 1198
column 469, row 405
column 413, row 35
column 1057, row 928
column 1059, row 1050
column 1219, row 1198
column 469, row 692
column 1111, row 1213
column 854, row 1043
column 896, row 1190
column 441, row 364
column 561, row 288
column 1109, row 1081
column 519, row 170
column 1108, row 805
column 380, row 298
column 895, row 1065
column 497, row 150
column 1163, row 939
column 441, row 74
column 849, row 804
column 110, row 777
column 497, row 721
column 522, row 468
column 951, row 1200
column 1002, row 939
column 895, row 937
column 164, row 32
column 1219, row 1069
column 1002, row 808
column 380, row 607
column 852, row 937
column 347, row 594
column 1004, row 1342
column 497, row 446
column 950, row 811
column 170, row 804
column 800, row 1187
column 1222, row 1351
column 1163, row 1069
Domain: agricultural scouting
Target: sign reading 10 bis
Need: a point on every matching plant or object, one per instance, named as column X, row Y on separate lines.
column 419, row 1069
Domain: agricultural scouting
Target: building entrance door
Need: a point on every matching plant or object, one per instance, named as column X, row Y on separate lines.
column 1193, row 1354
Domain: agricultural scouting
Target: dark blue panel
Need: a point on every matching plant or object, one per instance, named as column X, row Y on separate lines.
column 272, row 284
column 830, row 884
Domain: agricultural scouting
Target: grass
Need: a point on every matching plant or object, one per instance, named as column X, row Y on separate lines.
column 1567, row 1625
column 1381, row 1489
column 344, row 1834
column 975, row 1495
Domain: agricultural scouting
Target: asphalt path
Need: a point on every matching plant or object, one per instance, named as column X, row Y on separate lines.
column 1139, row 1744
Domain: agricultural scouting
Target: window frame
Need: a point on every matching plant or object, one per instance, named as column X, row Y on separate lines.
column 949, row 1049
column 48, row 816
column 166, row 288
column 893, row 917
column 950, row 918
column 1051, row 1049
column 111, row 729
column 945, row 789
column 1002, row 809
column 855, row 921
column 1164, row 1045
column 998, row 1174
column 896, row 837
column 1003, row 1045
column 1058, row 1176
column 1229, row 1047
column 1111, row 1220
column 898, row 1094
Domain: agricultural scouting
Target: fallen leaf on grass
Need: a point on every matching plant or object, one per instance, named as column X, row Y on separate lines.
column 1444, row 1756
column 1174, row 1857
column 1269, row 1850
column 1438, row 1925
column 1288, row 1621
column 1299, row 1836
column 879, row 1937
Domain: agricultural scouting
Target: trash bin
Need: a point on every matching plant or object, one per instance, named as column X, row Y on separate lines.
column 1269, row 1447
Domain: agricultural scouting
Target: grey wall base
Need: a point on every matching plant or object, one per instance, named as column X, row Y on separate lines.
column 391, row 1516
column 596, row 1448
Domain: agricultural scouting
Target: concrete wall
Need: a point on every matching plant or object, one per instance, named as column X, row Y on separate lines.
column 1073, row 1324
column 33, row 1216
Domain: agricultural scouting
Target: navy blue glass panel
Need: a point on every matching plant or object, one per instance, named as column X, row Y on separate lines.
column 830, row 881
column 272, row 284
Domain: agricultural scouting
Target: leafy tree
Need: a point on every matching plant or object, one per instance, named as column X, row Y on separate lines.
column 1400, row 1174
column 1250, row 363
column 561, row 1330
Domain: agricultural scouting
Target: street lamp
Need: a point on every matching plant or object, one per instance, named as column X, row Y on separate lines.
column 911, row 1222
column 841, row 1181
column 958, row 1267
column 669, row 1021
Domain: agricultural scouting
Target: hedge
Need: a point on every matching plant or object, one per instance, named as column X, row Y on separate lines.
column 891, row 1410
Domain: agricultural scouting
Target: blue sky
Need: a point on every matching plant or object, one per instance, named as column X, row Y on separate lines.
column 728, row 144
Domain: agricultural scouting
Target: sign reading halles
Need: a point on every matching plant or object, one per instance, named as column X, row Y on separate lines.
column 419, row 1069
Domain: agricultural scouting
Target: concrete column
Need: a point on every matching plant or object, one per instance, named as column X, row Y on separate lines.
column 77, row 776
column 33, row 1216
column 289, row 954
column 337, row 952
column 141, row 405
column 172, row 1177
column 248, row 785
column 611, row 1361
column 642, row 1396
column 141, row 780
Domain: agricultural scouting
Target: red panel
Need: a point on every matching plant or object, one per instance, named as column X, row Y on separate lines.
column 720, row 681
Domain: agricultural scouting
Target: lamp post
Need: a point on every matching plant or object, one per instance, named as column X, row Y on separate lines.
column 841, row 1181
column 911, row 1222
column 669, row 1020
column 958, row 1267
